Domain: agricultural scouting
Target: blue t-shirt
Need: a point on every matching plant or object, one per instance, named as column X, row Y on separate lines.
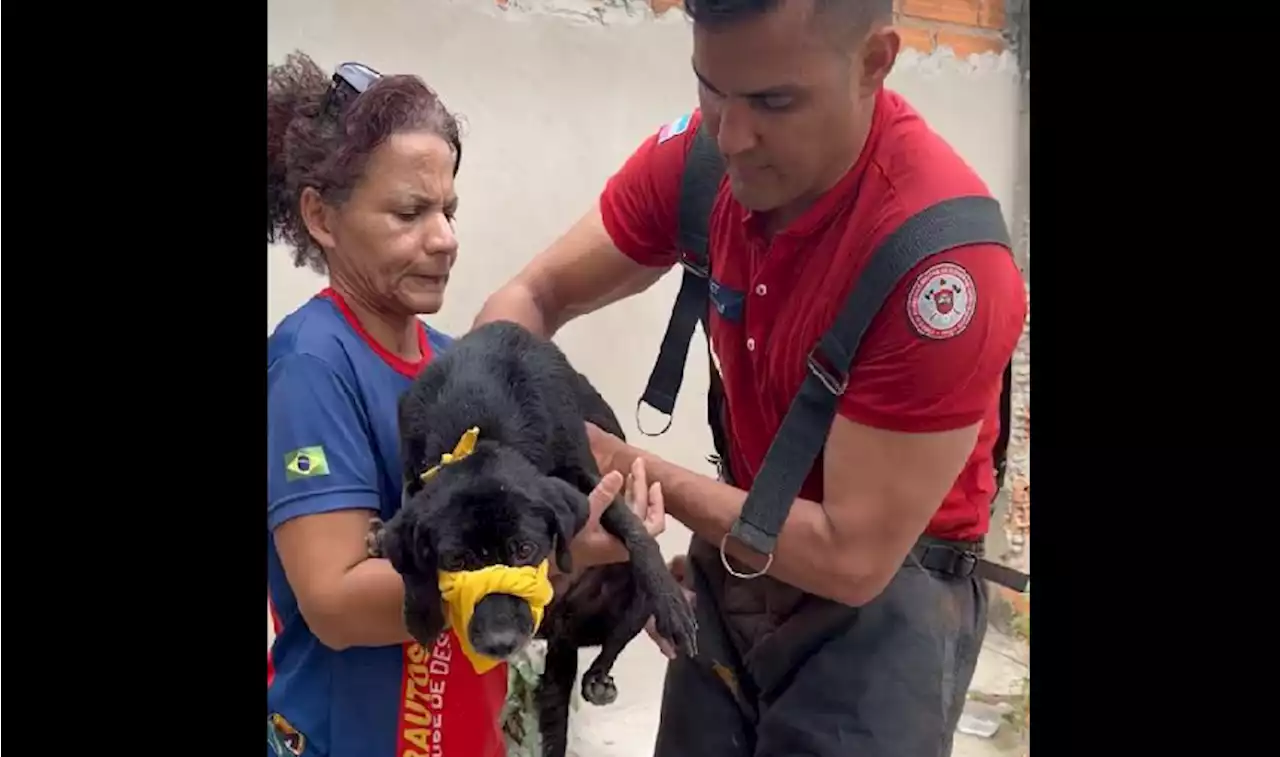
column 332, row 444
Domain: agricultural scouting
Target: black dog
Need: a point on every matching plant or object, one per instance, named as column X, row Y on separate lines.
column 518, row 499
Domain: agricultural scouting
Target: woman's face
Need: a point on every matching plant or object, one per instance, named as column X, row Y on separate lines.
column 392, row 241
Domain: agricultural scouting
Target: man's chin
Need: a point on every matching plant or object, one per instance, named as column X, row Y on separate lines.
column 754, row 198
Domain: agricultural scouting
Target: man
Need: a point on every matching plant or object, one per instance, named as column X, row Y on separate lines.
column 847, row 645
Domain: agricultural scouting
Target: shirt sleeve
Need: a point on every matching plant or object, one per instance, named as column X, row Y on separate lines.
column 319, row 455
column 933, row 359
column 640, row 203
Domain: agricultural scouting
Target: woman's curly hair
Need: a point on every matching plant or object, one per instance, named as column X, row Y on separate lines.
column 315, row 141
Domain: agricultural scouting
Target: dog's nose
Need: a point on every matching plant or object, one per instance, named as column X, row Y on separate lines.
column 499, row 644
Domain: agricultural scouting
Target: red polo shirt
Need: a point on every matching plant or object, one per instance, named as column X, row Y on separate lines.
column 933, row 358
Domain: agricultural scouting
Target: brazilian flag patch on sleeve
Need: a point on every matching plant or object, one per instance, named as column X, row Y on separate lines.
column 308, row 462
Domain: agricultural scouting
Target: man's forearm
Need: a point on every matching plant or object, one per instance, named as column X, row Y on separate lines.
column 808, row 554
column 516, row 302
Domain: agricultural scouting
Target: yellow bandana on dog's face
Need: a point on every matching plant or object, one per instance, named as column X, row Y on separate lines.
column 462, row 590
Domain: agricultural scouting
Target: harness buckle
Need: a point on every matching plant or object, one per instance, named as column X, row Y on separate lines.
column 834, row 380
column 702, row 270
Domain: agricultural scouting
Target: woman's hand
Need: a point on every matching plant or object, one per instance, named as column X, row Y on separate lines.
column 595, row 546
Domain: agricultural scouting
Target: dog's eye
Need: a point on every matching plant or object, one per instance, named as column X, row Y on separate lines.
column 524, row 550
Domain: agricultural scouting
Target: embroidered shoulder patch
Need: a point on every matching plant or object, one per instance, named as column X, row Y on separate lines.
column 675, row 128
column 942, row 301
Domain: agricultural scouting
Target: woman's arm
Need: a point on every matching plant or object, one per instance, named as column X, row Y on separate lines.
column 322, row 489
column 347, row 598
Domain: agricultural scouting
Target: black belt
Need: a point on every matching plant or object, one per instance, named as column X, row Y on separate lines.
column 963, row 560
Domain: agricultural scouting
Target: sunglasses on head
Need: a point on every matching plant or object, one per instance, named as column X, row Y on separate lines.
column 356, row 76
column 350, row 80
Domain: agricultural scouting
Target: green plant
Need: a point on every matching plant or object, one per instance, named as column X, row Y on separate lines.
column 1022, row 626
column 520, row 713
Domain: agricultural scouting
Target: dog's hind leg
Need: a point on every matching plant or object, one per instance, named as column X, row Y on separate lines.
column 555, row 689
column 673, row 616
column 597, row 683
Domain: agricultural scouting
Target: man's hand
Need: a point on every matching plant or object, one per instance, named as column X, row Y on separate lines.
column 595, row 546
column 677, row 568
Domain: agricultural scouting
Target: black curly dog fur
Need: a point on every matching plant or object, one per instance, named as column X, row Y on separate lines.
column 518, row 499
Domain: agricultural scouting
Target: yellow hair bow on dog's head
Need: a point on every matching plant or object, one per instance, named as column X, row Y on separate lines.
column 465, row 446
column 463, row 590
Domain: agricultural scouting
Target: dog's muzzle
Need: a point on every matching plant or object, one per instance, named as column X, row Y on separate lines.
column 463, row 590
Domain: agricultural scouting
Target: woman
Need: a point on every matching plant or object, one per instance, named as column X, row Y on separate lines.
column 360, row 182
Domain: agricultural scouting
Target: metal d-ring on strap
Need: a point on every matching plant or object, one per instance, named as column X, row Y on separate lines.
column 640, row 426
column 724, row 560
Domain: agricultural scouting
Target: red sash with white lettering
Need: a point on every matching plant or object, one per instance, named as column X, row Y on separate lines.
column 446, row 708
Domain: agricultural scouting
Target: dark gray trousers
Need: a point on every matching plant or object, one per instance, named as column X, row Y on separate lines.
column 888, row 680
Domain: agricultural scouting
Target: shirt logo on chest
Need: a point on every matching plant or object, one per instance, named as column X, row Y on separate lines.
column 727, row 302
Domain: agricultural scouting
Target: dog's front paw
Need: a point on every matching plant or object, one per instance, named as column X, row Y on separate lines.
column 598, row 688
column 373, row 539
column 674, row 620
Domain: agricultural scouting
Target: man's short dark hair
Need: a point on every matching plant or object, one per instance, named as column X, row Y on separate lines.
column 848, row 15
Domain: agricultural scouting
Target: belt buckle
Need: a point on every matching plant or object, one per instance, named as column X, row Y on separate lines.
column 966, row 564
column 959, row 563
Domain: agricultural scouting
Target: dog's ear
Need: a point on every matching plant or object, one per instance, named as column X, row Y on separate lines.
column 566, row 510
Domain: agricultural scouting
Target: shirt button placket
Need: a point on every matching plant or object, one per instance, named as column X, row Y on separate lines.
column 760, row 290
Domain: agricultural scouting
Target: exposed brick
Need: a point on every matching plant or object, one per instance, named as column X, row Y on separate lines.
column 662, row 6
column 991, row 14
column 965, row 45
column 916, row 37
column 954, row 11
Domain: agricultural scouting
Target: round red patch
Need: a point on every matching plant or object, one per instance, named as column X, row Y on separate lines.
column 942, row 301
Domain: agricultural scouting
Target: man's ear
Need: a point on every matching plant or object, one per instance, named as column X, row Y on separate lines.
column 566, row 511
column 879, row 52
